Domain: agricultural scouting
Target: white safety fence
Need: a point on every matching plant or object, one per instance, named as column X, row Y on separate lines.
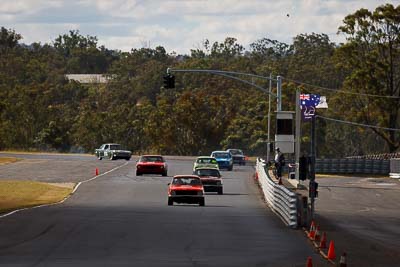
column 280, row 199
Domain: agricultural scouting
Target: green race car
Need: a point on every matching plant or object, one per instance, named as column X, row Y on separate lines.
column 205, row 162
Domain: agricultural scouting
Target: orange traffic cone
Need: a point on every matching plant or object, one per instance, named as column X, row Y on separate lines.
column 309, row 262
column 322, row 244
column 317, row 235
column 331, row 251
column 312, row 226
column 311, row 234
column 342, row 262
column 97, row 171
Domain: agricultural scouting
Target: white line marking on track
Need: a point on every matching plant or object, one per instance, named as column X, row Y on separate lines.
column 366, row 209
column 73, row 191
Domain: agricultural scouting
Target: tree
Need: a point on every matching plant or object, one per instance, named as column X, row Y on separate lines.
column 67, row 43
column 371, row 56
column 228, row 49
column 311, row 60
column 268, row 49
column 8, row 39
column 82, row 54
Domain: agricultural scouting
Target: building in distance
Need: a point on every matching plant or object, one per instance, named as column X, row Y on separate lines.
column 87, row 78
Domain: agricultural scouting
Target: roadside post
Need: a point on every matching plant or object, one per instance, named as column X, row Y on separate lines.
column 309, row 103
column 312, row 168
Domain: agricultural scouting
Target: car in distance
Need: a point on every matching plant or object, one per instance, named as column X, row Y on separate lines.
column 205, row 161
column 186, row 189
column 211, row 179
column 224, row 159
column 151, row 164
column 238, row 156
column 112, row 151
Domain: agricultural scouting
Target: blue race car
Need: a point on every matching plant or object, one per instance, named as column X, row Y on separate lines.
column 224, row 159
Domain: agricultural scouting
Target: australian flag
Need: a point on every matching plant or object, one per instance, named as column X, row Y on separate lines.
column 309, row 100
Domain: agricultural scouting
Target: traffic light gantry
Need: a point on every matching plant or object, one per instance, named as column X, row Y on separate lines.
column 169, row 81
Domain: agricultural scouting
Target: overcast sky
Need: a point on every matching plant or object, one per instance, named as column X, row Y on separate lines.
column 177, row 25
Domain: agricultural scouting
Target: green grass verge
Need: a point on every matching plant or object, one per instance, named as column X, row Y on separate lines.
column 24, row 152
column 22, row 194
column 7, row 160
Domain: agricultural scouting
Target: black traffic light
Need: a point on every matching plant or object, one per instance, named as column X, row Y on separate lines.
column 166, row 81
column 313, row 189
column 169, row 81
column 271, row 147
column 303, row 168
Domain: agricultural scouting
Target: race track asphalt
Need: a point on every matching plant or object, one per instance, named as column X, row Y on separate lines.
column 119, row 219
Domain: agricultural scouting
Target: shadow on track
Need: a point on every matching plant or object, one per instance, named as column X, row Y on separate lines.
column 206, row 206
column 235, row 194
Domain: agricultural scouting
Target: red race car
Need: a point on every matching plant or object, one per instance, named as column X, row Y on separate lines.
column 186, row 189
column 151, row 164
column 211, row 179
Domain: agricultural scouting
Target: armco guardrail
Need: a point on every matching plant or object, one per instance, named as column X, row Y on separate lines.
column 351, row 166
column 280, row 199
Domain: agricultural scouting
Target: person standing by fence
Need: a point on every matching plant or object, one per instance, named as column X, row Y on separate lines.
column 279, row 163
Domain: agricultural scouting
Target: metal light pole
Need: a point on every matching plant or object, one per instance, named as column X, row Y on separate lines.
column 269, row 117
column 279, row 93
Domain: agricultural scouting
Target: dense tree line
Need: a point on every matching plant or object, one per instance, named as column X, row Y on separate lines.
column 41, row 110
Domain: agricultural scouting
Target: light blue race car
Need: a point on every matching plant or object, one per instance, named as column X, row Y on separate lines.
column 224, row 159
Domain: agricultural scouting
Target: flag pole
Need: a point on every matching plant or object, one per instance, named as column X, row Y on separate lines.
column 312, row 168
column 298, row 132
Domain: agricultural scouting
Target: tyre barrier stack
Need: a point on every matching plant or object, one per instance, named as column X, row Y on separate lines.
column 353, row 165
column 395, row 168
column 281, row 200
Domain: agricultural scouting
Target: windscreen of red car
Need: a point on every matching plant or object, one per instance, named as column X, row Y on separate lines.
column 152, row 159
column 186, row 181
